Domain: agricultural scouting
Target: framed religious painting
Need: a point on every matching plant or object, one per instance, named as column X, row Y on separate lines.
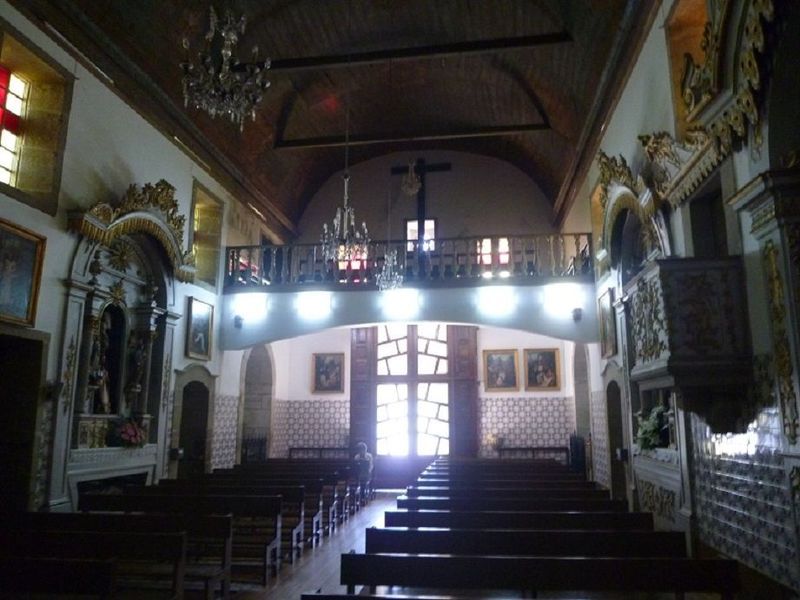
column 328, row 373
column 608, row 323
column 198, row 331
column 542, row 369
column 21, row 256
column 500, row 370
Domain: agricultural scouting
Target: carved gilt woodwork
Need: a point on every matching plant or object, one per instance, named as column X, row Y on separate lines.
column 784, row 370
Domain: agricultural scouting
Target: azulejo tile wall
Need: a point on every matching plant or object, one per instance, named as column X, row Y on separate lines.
column 309, row 423
column 743, row 498
column 526, row 422
column 599, row 425
column 226, row 422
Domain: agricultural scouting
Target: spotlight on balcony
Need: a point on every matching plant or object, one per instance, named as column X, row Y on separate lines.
column 401, row 303
column 249, row 308
column 313, row 306
column 497, row 301
column 564, row 300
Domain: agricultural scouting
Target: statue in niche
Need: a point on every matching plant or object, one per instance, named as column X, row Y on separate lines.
column 99, row 366
column 136, row 360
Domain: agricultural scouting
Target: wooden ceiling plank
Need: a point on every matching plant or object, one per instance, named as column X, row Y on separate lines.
column 382, row 138
column 338, row 61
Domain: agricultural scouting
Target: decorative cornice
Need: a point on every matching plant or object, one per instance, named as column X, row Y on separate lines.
column 725, row 114
column 613, row 169
column 153, row 211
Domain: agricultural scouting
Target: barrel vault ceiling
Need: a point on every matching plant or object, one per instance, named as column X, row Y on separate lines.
column 525, row 81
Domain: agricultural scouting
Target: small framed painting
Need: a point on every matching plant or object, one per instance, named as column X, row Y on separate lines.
column 500, row 370
column 198, row 333
column 328, row 373
column 21, row 256
column 608, row 323
column 542, row 369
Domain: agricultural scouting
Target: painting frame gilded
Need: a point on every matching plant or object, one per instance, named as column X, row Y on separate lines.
column 501, row 370
column 542, row 369
column 199, row 329
column 607, row 322
column 327, row 372
column 21, row 257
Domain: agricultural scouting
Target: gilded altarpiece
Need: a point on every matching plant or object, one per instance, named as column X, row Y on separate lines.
column 112, row 418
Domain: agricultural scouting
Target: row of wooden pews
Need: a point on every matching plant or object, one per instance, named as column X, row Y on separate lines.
column 208, row 534
column 521, row 526
column 115, row 555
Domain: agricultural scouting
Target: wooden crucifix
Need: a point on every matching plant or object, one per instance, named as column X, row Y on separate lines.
column 421, row 168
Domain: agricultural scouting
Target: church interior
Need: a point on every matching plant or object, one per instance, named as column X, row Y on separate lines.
column 481, row 235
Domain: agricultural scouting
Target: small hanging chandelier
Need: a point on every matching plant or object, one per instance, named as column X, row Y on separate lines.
column 411, row 183
column 390, row 277
column 221, row 84
column 344, row 241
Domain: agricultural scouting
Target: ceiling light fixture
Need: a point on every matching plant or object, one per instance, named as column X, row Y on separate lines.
column 344, row 241
column 220, row 84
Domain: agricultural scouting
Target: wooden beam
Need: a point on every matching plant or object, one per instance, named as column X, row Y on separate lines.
column 335, row 141
column 338, row 61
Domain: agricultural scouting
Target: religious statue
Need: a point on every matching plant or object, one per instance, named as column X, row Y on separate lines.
column 98, row 367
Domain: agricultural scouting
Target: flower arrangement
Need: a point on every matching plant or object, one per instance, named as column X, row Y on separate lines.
column 650, row 432
column 129, row 433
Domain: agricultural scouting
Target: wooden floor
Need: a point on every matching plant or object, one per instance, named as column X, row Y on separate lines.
column 318, row 569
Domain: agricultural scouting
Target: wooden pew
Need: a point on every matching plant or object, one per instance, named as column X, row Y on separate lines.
column 528, row 484
column 616, row 520
column 144, row 561
column 292, row 512
column 444, row 572
column 256, row 523
column 493, row 492
column 54, row 577
column 525, row 542
column 522, row 476
column 479, row 502
column 335, row 495
column 209, row 537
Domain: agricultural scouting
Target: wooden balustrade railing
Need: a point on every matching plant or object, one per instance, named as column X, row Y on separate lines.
column 453, row 259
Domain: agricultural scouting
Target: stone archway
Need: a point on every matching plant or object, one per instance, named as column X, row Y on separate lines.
column 256, row 425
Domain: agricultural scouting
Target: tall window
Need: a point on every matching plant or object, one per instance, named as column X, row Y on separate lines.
column 13, row 100
column 429, row 235
column 207, row 216
column 413, row 414
column 35, row 95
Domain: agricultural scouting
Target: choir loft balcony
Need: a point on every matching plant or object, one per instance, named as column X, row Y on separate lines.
column 538, row 283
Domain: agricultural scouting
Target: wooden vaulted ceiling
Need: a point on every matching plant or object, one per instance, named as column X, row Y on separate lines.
column 525, row 81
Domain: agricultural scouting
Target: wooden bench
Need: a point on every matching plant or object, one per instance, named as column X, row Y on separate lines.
column 519, row 520
column 529, row 484
column 256, row 523
column 325, row 487
column 293, row 505
column 155, row 562
column 322, row 453
column 493, row 492
column 479, row 502
column 208, row 554
column 53, row 577
column 525, row 542
column 487, row 476
column 677, row 575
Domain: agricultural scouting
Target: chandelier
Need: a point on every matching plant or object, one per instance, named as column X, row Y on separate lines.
column 344, row 241
column 390, row 277
column 220, row 84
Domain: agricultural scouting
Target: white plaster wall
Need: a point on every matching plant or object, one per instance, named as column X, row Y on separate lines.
column 459, row 198
column 293, row 364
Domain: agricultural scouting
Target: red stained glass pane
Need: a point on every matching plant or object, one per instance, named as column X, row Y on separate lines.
column 3, row 92
column 5, row 75
column 11, row 122
column 2, row 114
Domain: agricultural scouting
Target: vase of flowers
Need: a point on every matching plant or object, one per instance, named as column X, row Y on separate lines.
column 128, row 434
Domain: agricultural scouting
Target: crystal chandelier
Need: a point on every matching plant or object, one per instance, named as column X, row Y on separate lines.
column 390, row 277
column 220, row 84
column 344, row 241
